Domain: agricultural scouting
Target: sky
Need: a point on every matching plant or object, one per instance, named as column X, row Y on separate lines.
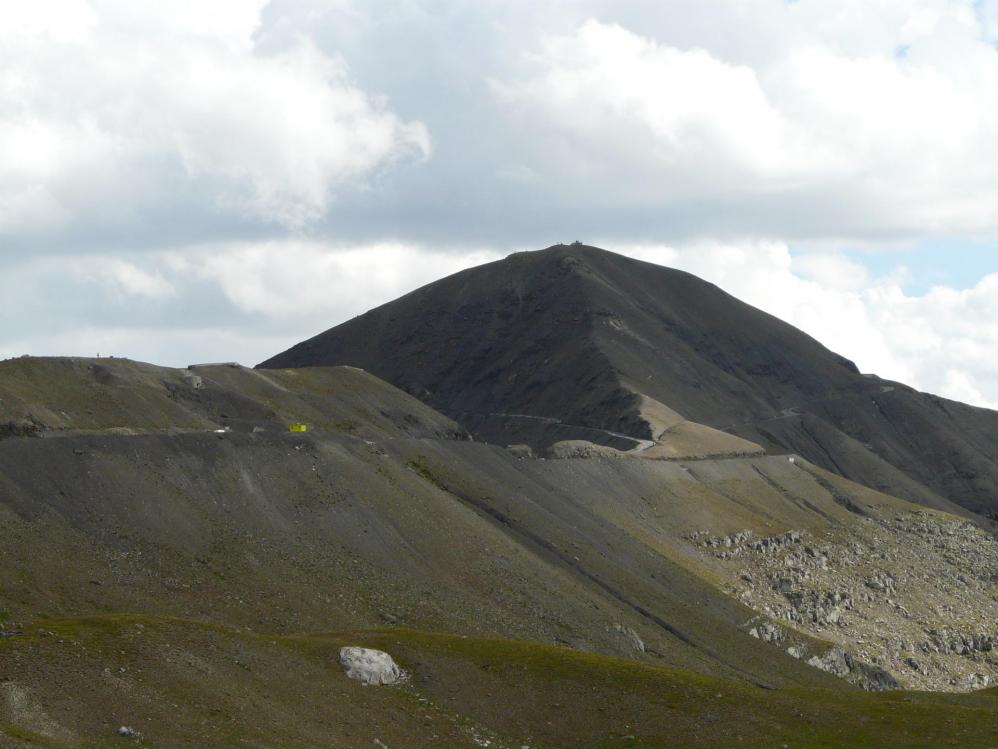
column 209, row 180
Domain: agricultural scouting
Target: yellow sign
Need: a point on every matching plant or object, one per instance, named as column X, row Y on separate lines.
column 299, row 427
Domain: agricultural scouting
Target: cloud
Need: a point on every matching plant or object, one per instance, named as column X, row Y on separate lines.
column 232, row 301
column 116, row 113
column 887, row 130
column 246, row 302
column 832, row 270
column 299, row 280
column 942, row 341
column 184, row 180
column 125, row 278
column 648, row 121
column 683, row 109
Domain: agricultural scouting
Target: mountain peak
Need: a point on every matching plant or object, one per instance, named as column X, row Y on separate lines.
column 574, row 342
column 578, row 334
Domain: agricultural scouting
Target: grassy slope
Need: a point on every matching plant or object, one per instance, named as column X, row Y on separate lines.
column 383, row 520
column 251, row 530
column 185, row 684
column 68, row 394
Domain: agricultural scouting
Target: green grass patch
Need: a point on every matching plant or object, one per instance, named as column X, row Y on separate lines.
column 31, row 738
column 520, row 691
column 421, row 467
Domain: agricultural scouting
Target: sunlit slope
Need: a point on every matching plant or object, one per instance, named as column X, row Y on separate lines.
column 298, row 532
column 194, row 558
column 56, row 395
column 362, row 525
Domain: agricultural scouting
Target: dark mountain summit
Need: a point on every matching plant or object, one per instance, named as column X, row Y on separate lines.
column 190, row 552
column 574, row 342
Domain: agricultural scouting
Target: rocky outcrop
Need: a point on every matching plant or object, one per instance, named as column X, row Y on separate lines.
column 576, row 449
column 632, row 638
column 944, row 641
column 27, row 427
column 841, row 663
column 736, row 543
column 836, row 660
column 908, row 598
column 768, row 633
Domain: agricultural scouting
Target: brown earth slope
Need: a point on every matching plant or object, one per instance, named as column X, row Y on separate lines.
column 575, row 342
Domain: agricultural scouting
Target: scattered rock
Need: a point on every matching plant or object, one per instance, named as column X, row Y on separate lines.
column 914, row 583
column 797, row 651
column 945, row 641
column 836, row 661
column 631, row 636
column 768, row 633
column 973, row 682
column 27, row 427
column 523, row 452
column 882, row 583
column 370, row 666
column 572, row 449
column 842, row 664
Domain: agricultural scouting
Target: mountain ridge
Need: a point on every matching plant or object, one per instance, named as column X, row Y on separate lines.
column 584, row 337
column 171, row 547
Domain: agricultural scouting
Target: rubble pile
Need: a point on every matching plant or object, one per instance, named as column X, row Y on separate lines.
column 909, row 600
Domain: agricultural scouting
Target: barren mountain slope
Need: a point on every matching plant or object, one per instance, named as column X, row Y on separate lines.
column 574, row 342
column 346, row 525
column 161, row 574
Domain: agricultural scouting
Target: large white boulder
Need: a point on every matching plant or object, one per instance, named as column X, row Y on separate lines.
column 370, row 666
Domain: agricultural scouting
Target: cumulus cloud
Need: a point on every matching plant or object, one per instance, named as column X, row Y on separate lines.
column 299, row 280
column 232, row 301
column 942, row 341
column 683, row 108
column 248, row 301
column 646, row 120
column 883, row 114
column 182, row 180
column 833, row 270
column 122, row 277
column 115, row 112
